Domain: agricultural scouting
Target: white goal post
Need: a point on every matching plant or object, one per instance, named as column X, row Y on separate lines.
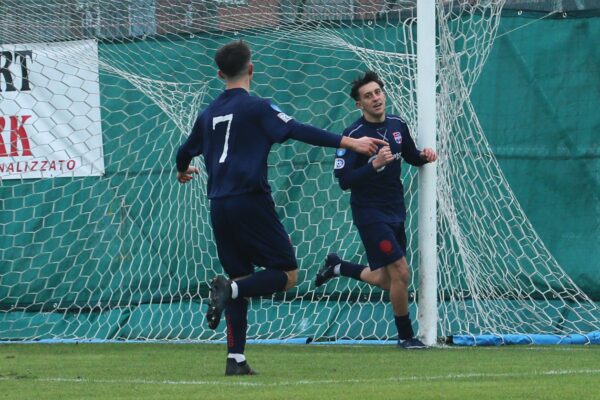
column 427, row 120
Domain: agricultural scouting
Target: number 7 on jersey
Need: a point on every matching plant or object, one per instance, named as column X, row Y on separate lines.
column 217, row 120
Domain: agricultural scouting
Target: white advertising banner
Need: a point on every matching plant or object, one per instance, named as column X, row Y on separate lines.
column 50, row 110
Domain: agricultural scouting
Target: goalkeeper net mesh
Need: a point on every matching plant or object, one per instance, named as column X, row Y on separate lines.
column 105, row 244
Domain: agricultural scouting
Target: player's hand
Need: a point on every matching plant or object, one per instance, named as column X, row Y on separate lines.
column 365, row 145
column 384, row 157
column 428, row 155
column 185, row 177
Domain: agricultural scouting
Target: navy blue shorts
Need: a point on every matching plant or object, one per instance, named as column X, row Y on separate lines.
column 384, row 243
column 248, row 233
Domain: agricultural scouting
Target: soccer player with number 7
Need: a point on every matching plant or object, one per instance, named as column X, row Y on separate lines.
column 235, row 133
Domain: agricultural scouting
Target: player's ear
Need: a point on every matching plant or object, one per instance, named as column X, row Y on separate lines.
column 359, row 105
column 221, row 75
column 250, row 69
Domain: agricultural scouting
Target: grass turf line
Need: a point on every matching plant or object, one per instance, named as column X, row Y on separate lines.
column 188, row 371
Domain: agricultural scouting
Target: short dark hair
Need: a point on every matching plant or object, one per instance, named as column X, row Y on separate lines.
column 359, row 82
column 233, row 58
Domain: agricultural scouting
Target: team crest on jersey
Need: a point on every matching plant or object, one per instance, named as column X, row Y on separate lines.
column 340, row 152
column 397, row 137
column 339, row 163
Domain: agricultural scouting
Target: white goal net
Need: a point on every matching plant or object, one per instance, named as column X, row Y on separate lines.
column 99, row 242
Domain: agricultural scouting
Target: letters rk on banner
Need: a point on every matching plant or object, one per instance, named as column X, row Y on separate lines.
column 50, row 120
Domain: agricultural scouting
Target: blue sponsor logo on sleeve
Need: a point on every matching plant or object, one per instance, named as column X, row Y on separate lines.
column 340, row 152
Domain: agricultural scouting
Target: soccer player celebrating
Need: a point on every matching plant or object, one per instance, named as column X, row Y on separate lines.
column 235, row 134
column 377, row 201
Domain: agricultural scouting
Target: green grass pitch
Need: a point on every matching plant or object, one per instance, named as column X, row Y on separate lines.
column 196, row 371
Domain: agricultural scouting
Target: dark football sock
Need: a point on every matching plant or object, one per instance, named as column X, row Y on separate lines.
column 351, row 270
column 404, row 326
column 236, row 316
column 262, row 283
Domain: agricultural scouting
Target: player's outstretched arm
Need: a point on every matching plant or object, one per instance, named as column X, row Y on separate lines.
column 365, row 145
column 319, row 137
column 187, row 175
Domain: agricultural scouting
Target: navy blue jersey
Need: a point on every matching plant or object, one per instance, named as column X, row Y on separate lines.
column 376, row 196
column 235, row 134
